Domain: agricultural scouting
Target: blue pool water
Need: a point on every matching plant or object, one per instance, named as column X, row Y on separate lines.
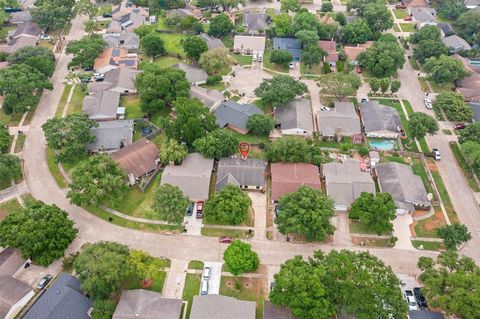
column 382, row 145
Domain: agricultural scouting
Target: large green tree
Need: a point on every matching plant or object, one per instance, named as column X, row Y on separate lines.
column 260, row 124
column 356, row 32
column 172, row 151
column 9, row 168
column 307, row 37
column 40, row 58
column 452, row 283
column 4, row 138
column 218, row 143
column 472, row 152
column 169, row 204
column 426, row 49
column 384, row 57
column 454, row 235
column 192, row 121
column 220, row 26
column 102, row 268
column 470, row 133
column 378, row 16
column 445, row 69
column 468, row 23
column 421, row 124
column 69, row 135
column 306, row 212
column 159, row 87
column 214, row 60
column 282, row 24
column 454, row 106
column 40, row 231
column 281, row 57
column 339, row 85
column 240, row 258
column 230, row 205
column 313, row 55
column 85, row 50
column 451, row 8
column 290, row 5
column 52, row 15
column 21, row 86
column 280, row 90
column 305, row 21
column 96, row 180
column 194, row 47
column 374, row 211
column 289, row 149
column 428, row 32
column 153, row 45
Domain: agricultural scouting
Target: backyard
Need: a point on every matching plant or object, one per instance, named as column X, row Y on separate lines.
column 132, row 106
column 172, row 42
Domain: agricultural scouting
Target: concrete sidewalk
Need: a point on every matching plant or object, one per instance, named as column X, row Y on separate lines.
column 175, row 281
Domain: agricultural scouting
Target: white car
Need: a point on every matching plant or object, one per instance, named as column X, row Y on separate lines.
column 436, row 154
column 204, row 288
column 206, row 273
column 412, row 303
column 45, row 37
column 291, row 65
column 260, row 56
column 254, row 56
column 428, row 104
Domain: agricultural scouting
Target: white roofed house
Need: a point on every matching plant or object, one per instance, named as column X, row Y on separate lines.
column 248, row 45
column 294, row 118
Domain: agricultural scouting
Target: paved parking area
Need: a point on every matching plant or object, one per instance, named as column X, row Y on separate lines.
column 215, row 275
column 246, row 81
column 193, row 224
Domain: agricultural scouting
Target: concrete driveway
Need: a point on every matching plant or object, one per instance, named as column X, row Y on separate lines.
column 247, row 80
column 259, row 205
column 193, row 224
column 401, row 230
column 215, row 275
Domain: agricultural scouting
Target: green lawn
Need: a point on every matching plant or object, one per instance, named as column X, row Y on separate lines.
column 79, row 93
column 419, row 169
column 63, row 100
column 359, row 228
column 407, row 27
column 267, row 109
column 452, row 215
column 428, row 245
column 466, row 168
column 157, row 276
column 441, row 88
column 422, row 230
column 161, row 25
column 158, row 117
column 228, row 41
column 243, row 59
column 105, row 9
column 396, row 159
column 396, row 28
column 252, row 139
column 132, row 106
column 20, row 142
column 273, row 66
column 53, row 167
column 251, row 289
column 423, row 84
column 220, row 86
column 166, row 61
column 172, row 42
column 195, row 264
column 191, row 288
column 317, row 70
column 4, row 32
column 10, row 119
column 400, row 13
column 215, row 232
column 11, row 206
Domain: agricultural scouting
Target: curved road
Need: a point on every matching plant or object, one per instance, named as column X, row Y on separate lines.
column 91, row 229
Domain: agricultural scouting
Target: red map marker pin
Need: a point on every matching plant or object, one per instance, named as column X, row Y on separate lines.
column 244, row 148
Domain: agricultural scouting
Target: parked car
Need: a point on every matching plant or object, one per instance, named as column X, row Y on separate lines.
column 200, row 209
column 260, row 56
column 428, row 104
column 107, row 15
column 254, row 56
column 436, row 154
column 408, row 18
column 400, row 5
column 204, row 290
column 272, row 285
column 412, row 303
column 189, row 210
column 460, row 126
column 206, row 273
column 421, row 301
column 225, row 239
column 98, row 77
column 45, row 37
column 363, row 100
column 43, row 282
column 291, row 65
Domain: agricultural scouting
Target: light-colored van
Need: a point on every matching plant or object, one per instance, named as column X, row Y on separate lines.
column 206, row 273
column 204, row 289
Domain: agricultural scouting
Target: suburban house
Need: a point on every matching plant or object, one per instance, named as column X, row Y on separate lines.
column 352, row 52
column 288, row 177
column 14, row 294
column 102, row 105
column 212, row 42
column 340, row 121
column 470, row 86
column 195, row 74
column 145, row 304
column 255, row 22
column 210, row 97
column 455, row 44
column 471, row 4
column 245, row 44
column 425, row 314
column 114, row 58
column 331, row 48
column 414, row 3
column 270, row 311
column 25, row 35
column 188, row 11
column 294, row 118
column 291, row 45
column 345, row 181
column 111, row 136
column 20, row 17
column 446, row 29
column 475, row 106
column 406, row 188
column 63, row 299
column 138, row 160
column 121, row 80
column 234, row 116
column 192, row 176
column 126, row 40
column 127, row 17
column 423, row 16
column 221, row 307
column 246, row 174
column 379, row 120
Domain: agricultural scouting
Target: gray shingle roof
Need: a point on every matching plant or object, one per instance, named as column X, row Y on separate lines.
column 377, row 117
column 423, row 14
column 212, row 42
column 127, row 40
column 249, row 172
column 221, row 307
column 292, row 45
column 425, row 314
column 20, row 17
column 101, row 105
column 27, row 29
column 345, row 181
column 11, row 291
column 343, row 120
column 476, row 110
column 456, row 42
column 296, row 114
column 406, row 188
column 120, row 80
column 446, row 28
column 207, row 96
column 64, row 299
column 111, row 135
column 235, row 114
column 192, row 176
column 144, row 304
column 254, row 21
column 193, row 73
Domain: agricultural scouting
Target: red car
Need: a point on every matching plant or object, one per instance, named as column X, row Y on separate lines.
column 407, row 18
column 200, row 209
column 460, row 126
column 225, row 239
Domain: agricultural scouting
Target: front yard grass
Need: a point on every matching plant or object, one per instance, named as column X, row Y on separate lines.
column 273, row 66
column 251, row 289
column 400, row 13
column 166, row 61
column 132, row 106
column 10, row 119
column 427, row 228
column 407, row 27
column 157, row 276
column 190, row 289
column 441, row 88
column 465, row 166
column 419, row 169
column 8, row 207
column 243, row 59
column 79, row 94
column 54, row 170
column 63, row 100
column 217, row 232
column 20, row 143
column 359, row 228
column 428, row 245
column 196, row 264
column 452, row 215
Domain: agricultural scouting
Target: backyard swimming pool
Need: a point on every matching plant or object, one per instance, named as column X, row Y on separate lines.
column 382, row 144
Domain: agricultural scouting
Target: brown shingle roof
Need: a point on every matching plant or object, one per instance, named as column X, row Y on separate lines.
column 331, row 48
column 138, row 158
column 288, row 177
column 353, row 52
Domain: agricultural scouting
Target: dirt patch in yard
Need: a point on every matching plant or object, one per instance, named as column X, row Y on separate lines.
column 432, row 167
column 427, row 227
column 247, row 286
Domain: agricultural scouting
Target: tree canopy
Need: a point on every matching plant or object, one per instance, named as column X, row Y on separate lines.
column 445, row 69
column 215, row 59
column 468, row 23
column 289, row 149
column 384, row 57
column 96, row 180
column 454, row 106
column 421, row 124
column 85, row 50
column 428, row 32
column 356, row 283
column 69, row 135
column 52, row 14
column 216, row 144
column 194, row 47
column 230, row 205
column 158, row 87
column 153, row 45
column 378, row 16
column 260, row 124
column 339, row 85
column 4, row 138
column 41, row 59
column 220, row 25
column 169, row 204
column 280, row 90
column 313, row 55
column 40, row 231
column 9, row 167
column 282, row 24
column 470, row 133
column 306, row 212
column 454, row 235
column 240, row 258
column 426, row 49
column 356, row 32
column 307, row 37
column 305, row 21
column 374, row 211
column 192, row 121
column 172, row 151
column 472, row 152
column 281, row 57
